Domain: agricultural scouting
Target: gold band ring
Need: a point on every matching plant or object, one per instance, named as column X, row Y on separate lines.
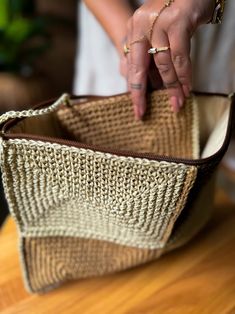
column 126, row 49
column 153, row 51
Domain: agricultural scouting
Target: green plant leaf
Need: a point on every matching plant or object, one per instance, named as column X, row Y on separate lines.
column 23, row 34
column 19, row 30
column 4, row 14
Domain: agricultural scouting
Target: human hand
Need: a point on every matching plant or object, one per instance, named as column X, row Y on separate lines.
column 173, row 28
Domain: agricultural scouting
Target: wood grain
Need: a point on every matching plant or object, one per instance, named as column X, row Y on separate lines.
column 199, row 278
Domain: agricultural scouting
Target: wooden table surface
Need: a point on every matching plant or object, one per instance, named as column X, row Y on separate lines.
column 199, row 278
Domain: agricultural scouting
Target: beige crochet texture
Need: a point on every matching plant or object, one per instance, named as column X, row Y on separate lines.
column 50, row 261
column 75, row 192
column 54, row 260
column 109, row 123
column 108, row 209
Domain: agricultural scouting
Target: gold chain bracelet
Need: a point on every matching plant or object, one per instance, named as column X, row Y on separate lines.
column 150, row 32
column 218, row 12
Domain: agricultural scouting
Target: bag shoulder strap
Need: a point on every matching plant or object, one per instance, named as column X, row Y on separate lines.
column 65, row 98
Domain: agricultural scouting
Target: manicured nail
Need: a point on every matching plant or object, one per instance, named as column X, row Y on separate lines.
column 186, row 90
column 174, row 103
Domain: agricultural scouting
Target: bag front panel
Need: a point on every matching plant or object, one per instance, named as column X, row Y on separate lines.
column 50, row 261
column 55, row 190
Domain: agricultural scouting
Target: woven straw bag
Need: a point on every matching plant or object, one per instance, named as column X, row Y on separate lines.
column 93, row 191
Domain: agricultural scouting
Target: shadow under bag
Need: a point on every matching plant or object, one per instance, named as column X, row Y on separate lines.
column 93, row 191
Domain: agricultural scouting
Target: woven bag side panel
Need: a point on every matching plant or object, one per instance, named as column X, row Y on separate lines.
column 51, row 261
column 55, row 190
column 110, row 123
column 204, row 182
column 195, row 218
column 205, row 175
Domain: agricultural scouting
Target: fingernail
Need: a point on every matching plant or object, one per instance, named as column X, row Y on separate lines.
column 136, row 112
column 186, row 90
column 174, row 103
column 181, row 102
column 142, row 111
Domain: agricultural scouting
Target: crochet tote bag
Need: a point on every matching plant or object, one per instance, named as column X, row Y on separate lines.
column 93, row 191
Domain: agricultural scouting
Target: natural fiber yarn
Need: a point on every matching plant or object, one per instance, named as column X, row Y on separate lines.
column 109, row 122
column 83, row 212
column 67, row 191
column 50, row 261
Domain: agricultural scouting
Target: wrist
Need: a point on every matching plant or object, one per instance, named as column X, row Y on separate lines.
column 113, row 15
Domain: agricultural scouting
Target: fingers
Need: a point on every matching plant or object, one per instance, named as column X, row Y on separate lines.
column 128, row 41
column 138, row 65
column 137, row 81
column 173, row 65
column 167, row 70
column 180, row 54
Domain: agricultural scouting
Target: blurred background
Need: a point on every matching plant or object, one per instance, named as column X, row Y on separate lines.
column 37, row 50
column 37, row 54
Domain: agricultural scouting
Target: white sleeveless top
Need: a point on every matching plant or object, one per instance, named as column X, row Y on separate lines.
column 97, row 63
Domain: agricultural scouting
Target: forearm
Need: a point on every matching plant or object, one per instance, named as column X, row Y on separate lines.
column 113, row 16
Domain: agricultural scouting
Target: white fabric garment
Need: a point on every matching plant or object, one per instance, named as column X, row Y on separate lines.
column 97, row 64
column 213, row 54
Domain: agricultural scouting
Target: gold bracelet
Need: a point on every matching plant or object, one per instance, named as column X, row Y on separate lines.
column 218, row 12
column 126, row 49
column 150, row 32
column 166, row 5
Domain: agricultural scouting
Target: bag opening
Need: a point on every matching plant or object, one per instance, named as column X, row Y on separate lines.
column 108, row 128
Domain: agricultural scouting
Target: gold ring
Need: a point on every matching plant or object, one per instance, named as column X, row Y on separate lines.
column 153, row 50
column 126, row 49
